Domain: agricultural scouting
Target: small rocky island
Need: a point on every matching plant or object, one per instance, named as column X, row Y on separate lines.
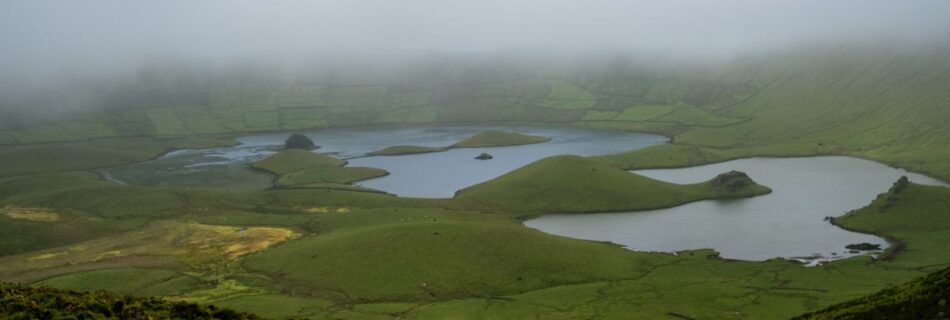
column 299, row 141
column 484, row 156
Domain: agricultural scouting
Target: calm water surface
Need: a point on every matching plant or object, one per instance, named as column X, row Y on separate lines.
column 788, row 223
column 431, row 175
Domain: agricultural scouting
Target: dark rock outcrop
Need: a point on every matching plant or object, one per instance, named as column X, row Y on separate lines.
column 299, row 141
column 484, row 156
column 732, row 181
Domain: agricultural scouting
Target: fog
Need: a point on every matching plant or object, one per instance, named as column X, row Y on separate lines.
column 43, row 41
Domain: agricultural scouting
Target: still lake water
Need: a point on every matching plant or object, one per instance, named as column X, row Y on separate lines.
column 430, row 175
column 787, row 223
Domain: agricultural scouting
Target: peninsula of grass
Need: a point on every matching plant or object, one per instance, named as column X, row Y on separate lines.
column 296, row 159
column 489, row 138
column 404, row 150
column 338, row 175
column 300, row 168
column 496, row 138
column 571, row 184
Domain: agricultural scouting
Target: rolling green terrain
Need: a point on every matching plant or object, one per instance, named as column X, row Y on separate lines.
column 317, row 247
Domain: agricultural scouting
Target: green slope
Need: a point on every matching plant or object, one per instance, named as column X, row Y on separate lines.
column 410, row 255
column 926, row 297
column 566, row 184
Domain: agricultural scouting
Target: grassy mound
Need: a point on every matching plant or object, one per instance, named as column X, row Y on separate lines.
column 339, row 175
column 926, row 297
column 401, row 150
column 434, row 255
column 299, row 169
column 296, row 159
column 21, row 302
column 495, row 138
column 575, row 184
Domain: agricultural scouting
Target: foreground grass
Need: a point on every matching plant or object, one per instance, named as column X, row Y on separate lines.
column 21, row 302
column 566, row 184
column 413, row 255
column 923, row 298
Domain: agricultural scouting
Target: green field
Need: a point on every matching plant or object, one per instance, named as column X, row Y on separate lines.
column 316, row 246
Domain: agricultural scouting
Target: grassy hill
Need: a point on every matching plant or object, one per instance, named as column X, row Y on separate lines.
column 304, row 169
column 412, row 255
column 923, row 298
column 565, row 184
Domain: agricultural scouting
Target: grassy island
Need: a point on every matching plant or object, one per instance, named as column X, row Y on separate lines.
column 497, row 138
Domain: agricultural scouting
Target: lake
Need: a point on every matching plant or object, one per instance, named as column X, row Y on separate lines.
column 431, row 175
column 789, row 222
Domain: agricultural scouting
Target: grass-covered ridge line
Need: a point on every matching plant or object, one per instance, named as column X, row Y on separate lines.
column 565, row 184
column 497, row 138
column 22, row 302
column 923, row 298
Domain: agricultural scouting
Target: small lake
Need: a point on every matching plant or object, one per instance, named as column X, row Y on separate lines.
column 787, row 223
column 429, row 175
